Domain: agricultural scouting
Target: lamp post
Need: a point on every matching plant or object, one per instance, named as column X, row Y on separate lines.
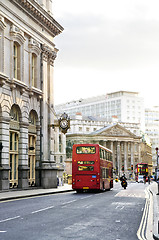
column 157, row 175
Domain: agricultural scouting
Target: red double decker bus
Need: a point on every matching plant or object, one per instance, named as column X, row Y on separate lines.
column 92, row 167
column 141, row 169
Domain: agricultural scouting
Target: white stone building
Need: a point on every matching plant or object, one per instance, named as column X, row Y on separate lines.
column 30, row 153
column 152, row 130
column 127, row 106
column 124, row 139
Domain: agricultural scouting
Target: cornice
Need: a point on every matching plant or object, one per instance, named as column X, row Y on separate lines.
column 35, row 11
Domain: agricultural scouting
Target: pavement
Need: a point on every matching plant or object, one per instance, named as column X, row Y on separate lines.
column 17, row 194
column 154, row 189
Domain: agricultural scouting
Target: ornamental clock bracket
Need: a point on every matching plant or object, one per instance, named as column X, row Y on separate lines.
column 63, row 123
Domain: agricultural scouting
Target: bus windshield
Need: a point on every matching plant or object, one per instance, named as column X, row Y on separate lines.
column 85, row 150
column 142, row 169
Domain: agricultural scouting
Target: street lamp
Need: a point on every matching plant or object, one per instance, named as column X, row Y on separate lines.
column 157, row 163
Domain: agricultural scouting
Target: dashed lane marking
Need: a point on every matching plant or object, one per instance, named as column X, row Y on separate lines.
column 43, row 209
column 9, row 219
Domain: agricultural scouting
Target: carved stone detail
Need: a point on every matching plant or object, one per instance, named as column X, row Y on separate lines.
column 40, row 15
column 16, row 33
column 34, row 46
column 49, row 54
column 115, row 131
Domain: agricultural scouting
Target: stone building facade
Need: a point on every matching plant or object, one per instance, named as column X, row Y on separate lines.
column 128, row 148
column 28, row 156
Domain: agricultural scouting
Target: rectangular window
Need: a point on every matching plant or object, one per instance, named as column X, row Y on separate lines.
column 15, row 61
column 13, row 159
column 33, row 70
column 31, row 159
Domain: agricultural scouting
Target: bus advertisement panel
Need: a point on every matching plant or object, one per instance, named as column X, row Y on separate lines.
column 92, row 167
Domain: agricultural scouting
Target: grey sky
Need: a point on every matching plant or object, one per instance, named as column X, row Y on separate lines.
column 107, row 46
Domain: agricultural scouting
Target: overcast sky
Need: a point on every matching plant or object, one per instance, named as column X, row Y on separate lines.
column 107, row 46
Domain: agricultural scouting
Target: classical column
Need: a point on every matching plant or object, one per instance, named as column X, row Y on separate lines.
column 104, row 143
column 126, row 158
column 51, row 58
column 113, row 155
column 139, row 152
column 49, row 170
column 63, row 139
column 118, row 158
column 132, row 158
column 45, row 107
column 56, row 140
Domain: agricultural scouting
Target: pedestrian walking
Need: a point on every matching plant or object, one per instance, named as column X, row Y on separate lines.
column 149, row 179
column 144, row 177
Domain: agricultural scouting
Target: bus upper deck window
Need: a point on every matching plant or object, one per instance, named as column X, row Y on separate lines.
column 86, row 150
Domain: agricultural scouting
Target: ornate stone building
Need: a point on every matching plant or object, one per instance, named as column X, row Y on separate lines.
column 28, row 156
column 128, row 148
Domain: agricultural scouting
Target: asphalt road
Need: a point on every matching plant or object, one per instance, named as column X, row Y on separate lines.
column 110, row 215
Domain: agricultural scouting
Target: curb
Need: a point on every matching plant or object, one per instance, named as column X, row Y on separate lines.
column 155, row 215
column 155, row 218
column 34, row 195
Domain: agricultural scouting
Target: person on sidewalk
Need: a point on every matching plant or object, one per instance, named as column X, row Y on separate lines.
column 149, row 179
column 144, row 177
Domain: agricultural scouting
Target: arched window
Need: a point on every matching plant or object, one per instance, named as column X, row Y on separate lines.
column 32, row 147
column 13, row 146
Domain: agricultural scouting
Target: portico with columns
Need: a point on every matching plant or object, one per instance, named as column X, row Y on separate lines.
column 124, row 144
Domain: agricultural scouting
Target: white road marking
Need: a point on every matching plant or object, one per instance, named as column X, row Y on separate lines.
column 69, row 202
column 122, row 203
column 43, row 209
column 117, row 221
column 3, row 231
column 8, row 219
column 89, row 206
column 145, row 221
column 86, row 197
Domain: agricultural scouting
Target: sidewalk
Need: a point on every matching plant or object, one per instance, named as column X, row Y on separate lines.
column 14, row 194
column 154, row 191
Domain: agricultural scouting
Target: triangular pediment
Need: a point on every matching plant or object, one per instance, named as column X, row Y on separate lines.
column 114, row 131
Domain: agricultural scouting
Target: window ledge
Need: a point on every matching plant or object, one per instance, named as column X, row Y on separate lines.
column 3, row 79
column 33, row 91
